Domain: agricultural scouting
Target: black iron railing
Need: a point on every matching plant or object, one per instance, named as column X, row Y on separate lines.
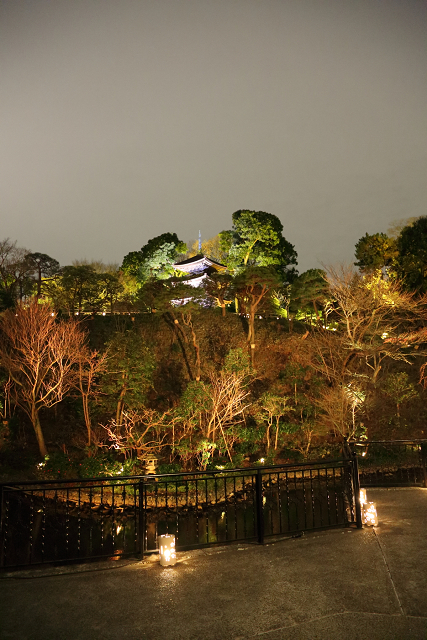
column 391, row 462
column 78, row 520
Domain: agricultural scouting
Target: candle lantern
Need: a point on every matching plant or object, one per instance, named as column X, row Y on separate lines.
column 362, row 497
column 167, row 550
column 370, row 516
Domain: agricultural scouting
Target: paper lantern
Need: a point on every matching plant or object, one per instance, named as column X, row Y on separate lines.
column 363, row 498
column 167, row 550
column 370, row 516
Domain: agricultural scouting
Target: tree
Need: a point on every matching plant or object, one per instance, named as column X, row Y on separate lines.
column 44, row 267
column 411, row 262
column 397, row 225
column 376, row 251
column 139, row 432
column 210, row 248
column 309, row 291
column 73, row 286
column 209, row 414
column 156, row 258
column 41, row 355
column 218, row 287
column 253, row 286
column 160, row 263
column 91, row 365
column 256, row 240
column 180, row 305
column 128, row 373
column 373, row 313
column 370, row 315
column 112, row 288
column 399, row 388
column 15, row 271
column 273, row 407
column 132, row 263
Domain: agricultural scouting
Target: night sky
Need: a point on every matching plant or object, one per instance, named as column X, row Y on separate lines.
column 124, row 119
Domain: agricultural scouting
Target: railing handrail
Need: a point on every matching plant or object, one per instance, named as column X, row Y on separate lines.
column 182, row 474
column 406, row 441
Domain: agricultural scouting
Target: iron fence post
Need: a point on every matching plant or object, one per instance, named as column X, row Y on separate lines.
column 424, row 461
column 356, row 490
column 1, row 525
column 141, row 518
column 259, row 507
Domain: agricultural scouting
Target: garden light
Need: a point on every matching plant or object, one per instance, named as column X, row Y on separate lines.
column 150, row 466
column 370, row 516
column 167, row 550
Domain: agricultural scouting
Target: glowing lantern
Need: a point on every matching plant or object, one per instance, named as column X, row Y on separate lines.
column 150, row 466
column 362, row 497
column 370, row 516
column 167, row 550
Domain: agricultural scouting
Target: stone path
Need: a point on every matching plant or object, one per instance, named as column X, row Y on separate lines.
column 342, row 583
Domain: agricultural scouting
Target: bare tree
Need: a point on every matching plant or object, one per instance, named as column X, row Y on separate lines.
column 273, row 408
column 229, row 394
column 368, row 321
column 41, row 356
column 139, row 432
column 91, row 365
column 371, row 314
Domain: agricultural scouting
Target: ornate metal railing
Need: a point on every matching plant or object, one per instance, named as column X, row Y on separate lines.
column 391, row 462
column 78, row 520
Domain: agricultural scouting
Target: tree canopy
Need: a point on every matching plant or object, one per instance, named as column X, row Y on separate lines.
column 256, row 240
column 156, row 258
column 411, row 262
column 375, row 251
column 309, row 291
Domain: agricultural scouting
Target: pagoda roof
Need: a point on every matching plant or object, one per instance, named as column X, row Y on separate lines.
column 199, row 263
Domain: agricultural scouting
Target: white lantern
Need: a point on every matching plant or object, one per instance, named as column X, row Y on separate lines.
column 167, row 550
column 363, row 498
column 370, row 516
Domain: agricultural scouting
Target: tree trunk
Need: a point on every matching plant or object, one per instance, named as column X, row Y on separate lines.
column 251, row 335
column 121, row 400
column 85, row 401
column 38, row 430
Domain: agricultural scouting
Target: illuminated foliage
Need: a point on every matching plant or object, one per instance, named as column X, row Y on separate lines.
column 375, row 251
column 411, row 263
column 210, row 248
column 309, row 293
column 253, row 287
column 256, row 240
column 155, row 259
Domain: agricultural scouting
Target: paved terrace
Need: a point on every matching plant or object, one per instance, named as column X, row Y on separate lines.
column 342, row 583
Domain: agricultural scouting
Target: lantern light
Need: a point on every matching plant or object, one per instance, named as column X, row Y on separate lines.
column 363, row 498
column 167, row 550
column 370, row 516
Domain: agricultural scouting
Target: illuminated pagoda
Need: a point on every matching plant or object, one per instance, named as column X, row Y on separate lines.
column 198, row 267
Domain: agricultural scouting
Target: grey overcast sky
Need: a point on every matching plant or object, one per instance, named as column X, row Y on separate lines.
column 125, row 119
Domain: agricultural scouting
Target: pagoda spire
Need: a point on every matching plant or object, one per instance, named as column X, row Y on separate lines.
column 200, row 241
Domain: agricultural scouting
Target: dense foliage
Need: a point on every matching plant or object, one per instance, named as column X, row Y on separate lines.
column 103, row 367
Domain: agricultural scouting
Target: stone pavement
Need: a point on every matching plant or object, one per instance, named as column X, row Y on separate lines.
column 342, row 583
